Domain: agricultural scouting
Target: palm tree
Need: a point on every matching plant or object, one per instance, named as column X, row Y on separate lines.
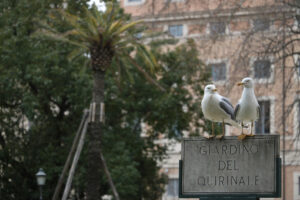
column 106, row 36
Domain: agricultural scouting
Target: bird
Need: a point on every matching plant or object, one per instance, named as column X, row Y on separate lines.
column 247, row 109
column 217, row 108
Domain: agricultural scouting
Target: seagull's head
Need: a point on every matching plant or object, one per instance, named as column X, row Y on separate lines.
column 246, row 82
column 210, row 89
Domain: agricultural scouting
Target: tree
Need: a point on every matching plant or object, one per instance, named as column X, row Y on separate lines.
column 131, row 149
column 42, row 96
column 285, row 48
column 106, row 36
column 39, row 85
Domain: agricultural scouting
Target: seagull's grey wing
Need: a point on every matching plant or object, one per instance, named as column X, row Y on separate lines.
column 227, row 101
column 227, row 108
column 236, row 110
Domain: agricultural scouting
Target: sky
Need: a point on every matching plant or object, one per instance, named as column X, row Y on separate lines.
column 98, row 3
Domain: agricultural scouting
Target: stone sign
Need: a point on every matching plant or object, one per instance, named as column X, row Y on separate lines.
column 229, row 166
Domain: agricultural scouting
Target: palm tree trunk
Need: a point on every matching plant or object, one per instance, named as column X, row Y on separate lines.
column 94, row 134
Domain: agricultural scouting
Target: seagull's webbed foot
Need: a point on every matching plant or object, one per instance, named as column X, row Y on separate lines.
column 242, row 136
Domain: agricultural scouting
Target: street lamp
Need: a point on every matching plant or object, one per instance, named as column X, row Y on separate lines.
column 41, row 180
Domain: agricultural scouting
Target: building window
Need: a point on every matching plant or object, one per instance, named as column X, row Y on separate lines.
column 299, row 185
column 297, row 66
column 296, row 181
column 218, row 71
column 298, row 118
column 217, row 28
column 262, row 69
column 261, row 24
column 297, row 20
column 176, row 30
column 262, row 125
column 296, row 24
column 172, row 187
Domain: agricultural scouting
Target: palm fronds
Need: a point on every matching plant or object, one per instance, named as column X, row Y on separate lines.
column 105, row 34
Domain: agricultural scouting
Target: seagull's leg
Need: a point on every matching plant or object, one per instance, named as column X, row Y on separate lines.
column 211, row 135
column 223, row 131
column 251, row 132
column 223, row 128
column 242, row 128
column 242, row 136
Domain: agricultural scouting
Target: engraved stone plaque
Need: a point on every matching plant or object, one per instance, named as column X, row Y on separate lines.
column 229, row 166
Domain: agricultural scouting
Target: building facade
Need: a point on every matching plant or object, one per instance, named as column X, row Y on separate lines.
column 237, row 39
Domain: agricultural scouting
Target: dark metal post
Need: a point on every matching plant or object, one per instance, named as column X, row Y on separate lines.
column 41, row 193
column 283, row 120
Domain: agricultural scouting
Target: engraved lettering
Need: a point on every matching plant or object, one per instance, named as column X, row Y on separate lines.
column 201, row 180
column 254, row 148
column 256, row 180
column 202, row 150
column 234, row 165
column 227, row 180
column 242, row 181
column 222, row 165
column 228, row 149
column 233, row 149
column 221, row 180
column 234, row 178
column 224, row 149
column 229, row 165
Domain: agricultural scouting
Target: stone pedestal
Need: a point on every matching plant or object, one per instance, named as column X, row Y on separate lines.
column 230, row 168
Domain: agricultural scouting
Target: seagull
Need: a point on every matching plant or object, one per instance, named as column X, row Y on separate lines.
column 217, row 108
column 247, row 109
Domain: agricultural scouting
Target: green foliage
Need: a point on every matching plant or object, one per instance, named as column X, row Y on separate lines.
column 129, row 149
column 40, row 84
column 104, row 34
column 132, row 159
column 185, row 75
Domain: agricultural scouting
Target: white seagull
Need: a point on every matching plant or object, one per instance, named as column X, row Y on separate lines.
column 247, row 109
column 217, row 108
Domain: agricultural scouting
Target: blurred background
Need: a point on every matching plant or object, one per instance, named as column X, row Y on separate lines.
column 157, row 70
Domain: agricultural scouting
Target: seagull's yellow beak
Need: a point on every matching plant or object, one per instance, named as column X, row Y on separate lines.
column 240, row 83
column 215, row 90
